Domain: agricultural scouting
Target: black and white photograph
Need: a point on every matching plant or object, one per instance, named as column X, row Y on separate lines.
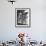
column 22, row 17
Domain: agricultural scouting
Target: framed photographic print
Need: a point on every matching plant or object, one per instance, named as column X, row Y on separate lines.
column 22, row 17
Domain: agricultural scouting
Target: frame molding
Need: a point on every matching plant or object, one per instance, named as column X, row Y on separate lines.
column 22, row 26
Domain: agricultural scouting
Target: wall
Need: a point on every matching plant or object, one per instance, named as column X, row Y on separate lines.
column 8, row 31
